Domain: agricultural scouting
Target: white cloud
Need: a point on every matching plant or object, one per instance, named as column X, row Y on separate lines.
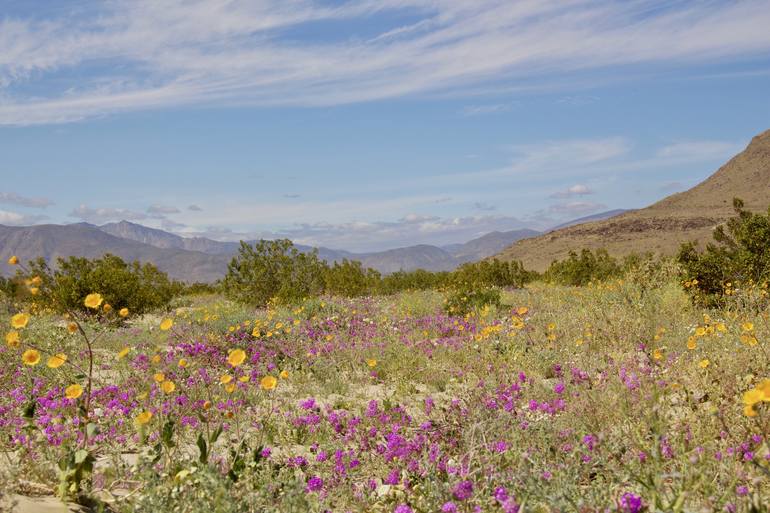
column 103, row 215
column 575, row 190
column 15, row 199
column 162, row 210
column 694, row 151
column 124, row 55
column 16, row 219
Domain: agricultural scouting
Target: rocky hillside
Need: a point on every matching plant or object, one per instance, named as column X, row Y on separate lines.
column 663, row 226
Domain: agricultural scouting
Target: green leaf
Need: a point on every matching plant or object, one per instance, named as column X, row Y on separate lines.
column 203, row 448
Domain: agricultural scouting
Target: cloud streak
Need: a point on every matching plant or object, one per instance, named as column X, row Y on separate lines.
column 12, row 198
column 121, row 56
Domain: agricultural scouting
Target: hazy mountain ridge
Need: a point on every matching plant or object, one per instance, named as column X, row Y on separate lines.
column 202, row 259
column 664, row 225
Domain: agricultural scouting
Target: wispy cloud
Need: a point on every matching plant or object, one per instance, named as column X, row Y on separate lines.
column 574, row 190
column 12, row 198
column 162, row 210
column 103, row 215
column 16, row 219
column 125, row 55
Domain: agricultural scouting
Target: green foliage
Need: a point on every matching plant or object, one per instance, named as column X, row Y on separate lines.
column 276, row 271
column 350, row 279
column 492, row 273
column 273, row 270
column 138, row 287
column 465, row 300
column 740, row 254
column 419, row 279
column 581, row 269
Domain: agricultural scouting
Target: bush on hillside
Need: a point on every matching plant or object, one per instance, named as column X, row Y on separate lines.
column 138, row 287
column 492, row 273
column 581, row 269
column 350, row 278
column 739, row 256
column 273, row 270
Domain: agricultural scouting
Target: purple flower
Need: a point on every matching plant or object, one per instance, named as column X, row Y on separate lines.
column 449, row 507
column 403, row 508
column 315, row 484
column 559, row 388
column 501, row 495
column 631, row 503
column 463, row 490
column 742, row 490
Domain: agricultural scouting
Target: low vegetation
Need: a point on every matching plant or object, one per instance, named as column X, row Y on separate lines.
column 606, row 386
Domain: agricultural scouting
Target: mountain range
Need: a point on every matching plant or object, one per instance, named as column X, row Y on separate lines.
column 660, row 228
column 202, row 259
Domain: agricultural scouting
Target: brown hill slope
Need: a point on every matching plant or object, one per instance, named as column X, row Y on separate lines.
column 663, row 226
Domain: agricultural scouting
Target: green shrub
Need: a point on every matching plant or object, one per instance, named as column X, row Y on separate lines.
column 740, row 254
column 492, row 273
column 419, row 279
column 349, row 278
column 138, row 287
column 577, row 270
column 464, row 300
column 273, row 270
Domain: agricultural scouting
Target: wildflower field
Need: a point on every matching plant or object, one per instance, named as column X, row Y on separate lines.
column 614, row 397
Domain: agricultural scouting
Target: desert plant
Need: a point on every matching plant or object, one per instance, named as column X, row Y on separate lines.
column 273, row 270
column 138, row 287
column 740, row 254
column 581, row 269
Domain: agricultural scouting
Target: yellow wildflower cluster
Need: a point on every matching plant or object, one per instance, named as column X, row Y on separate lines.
column 757, row 395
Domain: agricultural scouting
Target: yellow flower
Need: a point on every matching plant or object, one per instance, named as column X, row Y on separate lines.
column 159, row 377
column 72, row 327
column 230, row 388
column 255, row 332
column 244, row 379
column 268, row 383
column 123, row 312
column 371, row 362
column 107, row 308
column 19, row 321
column 166, row 324
column 749, row 411
column 764, row 387
column 752, row 397
column 657, row 354
column 168, row 386
column 30, row 357
column 56, row 361
column 93, row 301
column 284, row 374
column 749, row 339
column 747, row 326
column 156, row 358
column 123, row 352
column 206, row 405
column 34, row 291
column 12, row 338
column 73, row 391
column 236, row 357
column 144, row 417
column 225, row 379
column 703, row 363
column 36, row 281
column 522, row 311
column 182, row 362
column 14, row 260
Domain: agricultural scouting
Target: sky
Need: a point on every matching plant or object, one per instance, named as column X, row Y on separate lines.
column 369, row 124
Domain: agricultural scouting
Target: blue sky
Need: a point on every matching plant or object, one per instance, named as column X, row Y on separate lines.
column 372, row 124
